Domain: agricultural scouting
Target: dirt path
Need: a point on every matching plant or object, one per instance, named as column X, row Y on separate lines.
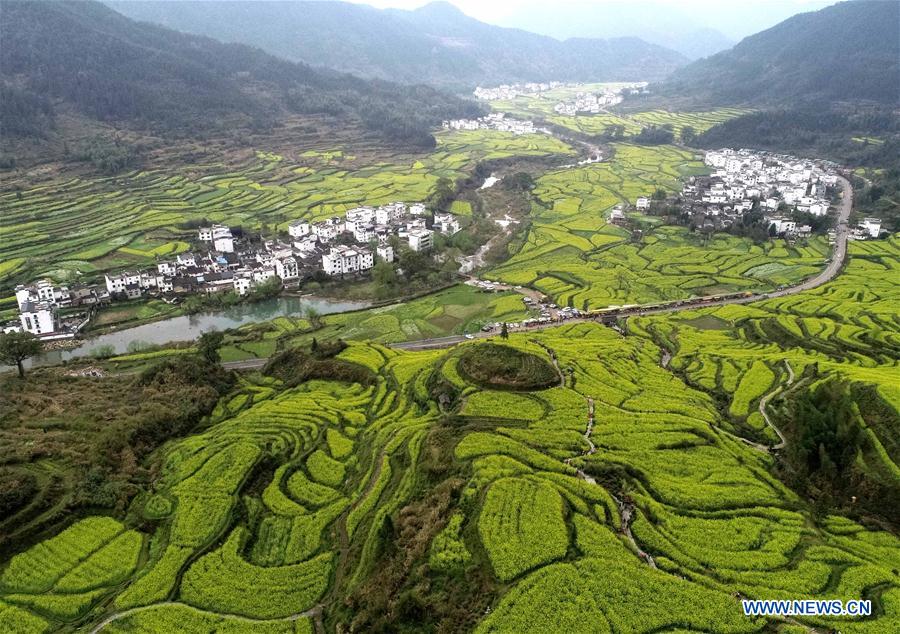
column 665, row 359
column 313, row 612
column 764, row 401
column 626, row 510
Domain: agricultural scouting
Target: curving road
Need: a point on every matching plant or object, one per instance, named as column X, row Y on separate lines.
column 839, row 254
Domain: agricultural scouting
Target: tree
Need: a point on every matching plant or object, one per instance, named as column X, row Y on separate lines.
column 208, row 345
column 443, row 194
column 504, row 331
column 15, row 347
column 313, row 316
column 688, row 135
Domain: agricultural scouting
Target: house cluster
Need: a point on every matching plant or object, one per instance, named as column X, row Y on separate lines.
column 511, row 91
column 589, row 102
column 741, row 178
column 337, row 246
column 39, row 305
column 493, row 121
column 867, row 229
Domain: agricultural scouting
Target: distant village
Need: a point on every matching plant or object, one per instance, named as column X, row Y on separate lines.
column 494, row 121
column 776, row 184
column 507, row 92
column 596, row 102
column 336, row 246
column 511, row 91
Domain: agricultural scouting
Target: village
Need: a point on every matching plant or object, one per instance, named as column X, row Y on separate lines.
column 596, row 102
column 223, row 262
column 780, row 187
column 494, row 121
column 511, row 91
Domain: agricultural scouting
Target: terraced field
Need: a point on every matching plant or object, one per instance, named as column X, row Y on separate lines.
column 848, row 327
column 621, row 500
column 129, row 219
column 575, row 256
column 699, row 121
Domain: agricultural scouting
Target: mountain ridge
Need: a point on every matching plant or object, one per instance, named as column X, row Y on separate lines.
column 87, row 57
column 436, row 44
column 839, row 53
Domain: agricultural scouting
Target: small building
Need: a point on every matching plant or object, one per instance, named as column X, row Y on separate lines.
column 343, row 259
column 420, row 239
column 243, row 283
column 39, row 318
column 446, row 223
column 299, row 229
column 287, row 268
column 119, row 283
column 871, row 226
column 643, row 203
column 385, row 252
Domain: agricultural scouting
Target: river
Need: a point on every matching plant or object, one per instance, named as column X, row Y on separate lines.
column 188, row 327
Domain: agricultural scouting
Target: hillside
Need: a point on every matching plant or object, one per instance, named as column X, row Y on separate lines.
column 436, row 44
column 846, row 52
column 85, row 58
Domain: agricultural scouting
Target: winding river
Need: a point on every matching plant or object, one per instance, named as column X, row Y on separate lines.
column 188, row 327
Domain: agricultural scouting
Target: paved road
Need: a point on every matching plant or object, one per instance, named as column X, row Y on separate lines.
column 842, row 231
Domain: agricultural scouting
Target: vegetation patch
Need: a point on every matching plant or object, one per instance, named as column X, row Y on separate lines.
column 504, row 367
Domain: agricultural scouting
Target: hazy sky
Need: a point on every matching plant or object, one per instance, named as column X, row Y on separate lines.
column 734, row 18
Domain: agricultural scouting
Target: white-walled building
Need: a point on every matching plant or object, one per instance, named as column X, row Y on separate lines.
column 243, row 283
column 343, row 259
column 287, row 268
column 446, row 223
column 420, row 239
column 42, row 291
column 643, row 203
column 385, row 252
column 299, row 229
column 872, row 227
column 39, row 318
column 120, row 283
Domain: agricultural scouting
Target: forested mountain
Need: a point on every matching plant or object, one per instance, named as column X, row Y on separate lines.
column 846, row 52
column 83, row 57
column 436, row 44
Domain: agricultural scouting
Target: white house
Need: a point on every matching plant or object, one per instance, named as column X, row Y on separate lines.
column 38, row 318
column 644, row 203
column 446, row 223
column 287, row 268
column 260, row 275
column 818, row 208
column 307, row 245
column 364, row 232
column 243, row 283
column 224, row 243
column 42, row 291
column 783, row 225
column 872, row 226
column 327, row 230
column 299, row 228
column 420, row 239
column 165, row 268
column 186, row 259
column 120, row 283
column 417, row 209
column 385, row 252
column 343, row 259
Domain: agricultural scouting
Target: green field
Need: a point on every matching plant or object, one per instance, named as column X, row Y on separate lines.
column 573, row 255
column 82, row 226
column 295, row 496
